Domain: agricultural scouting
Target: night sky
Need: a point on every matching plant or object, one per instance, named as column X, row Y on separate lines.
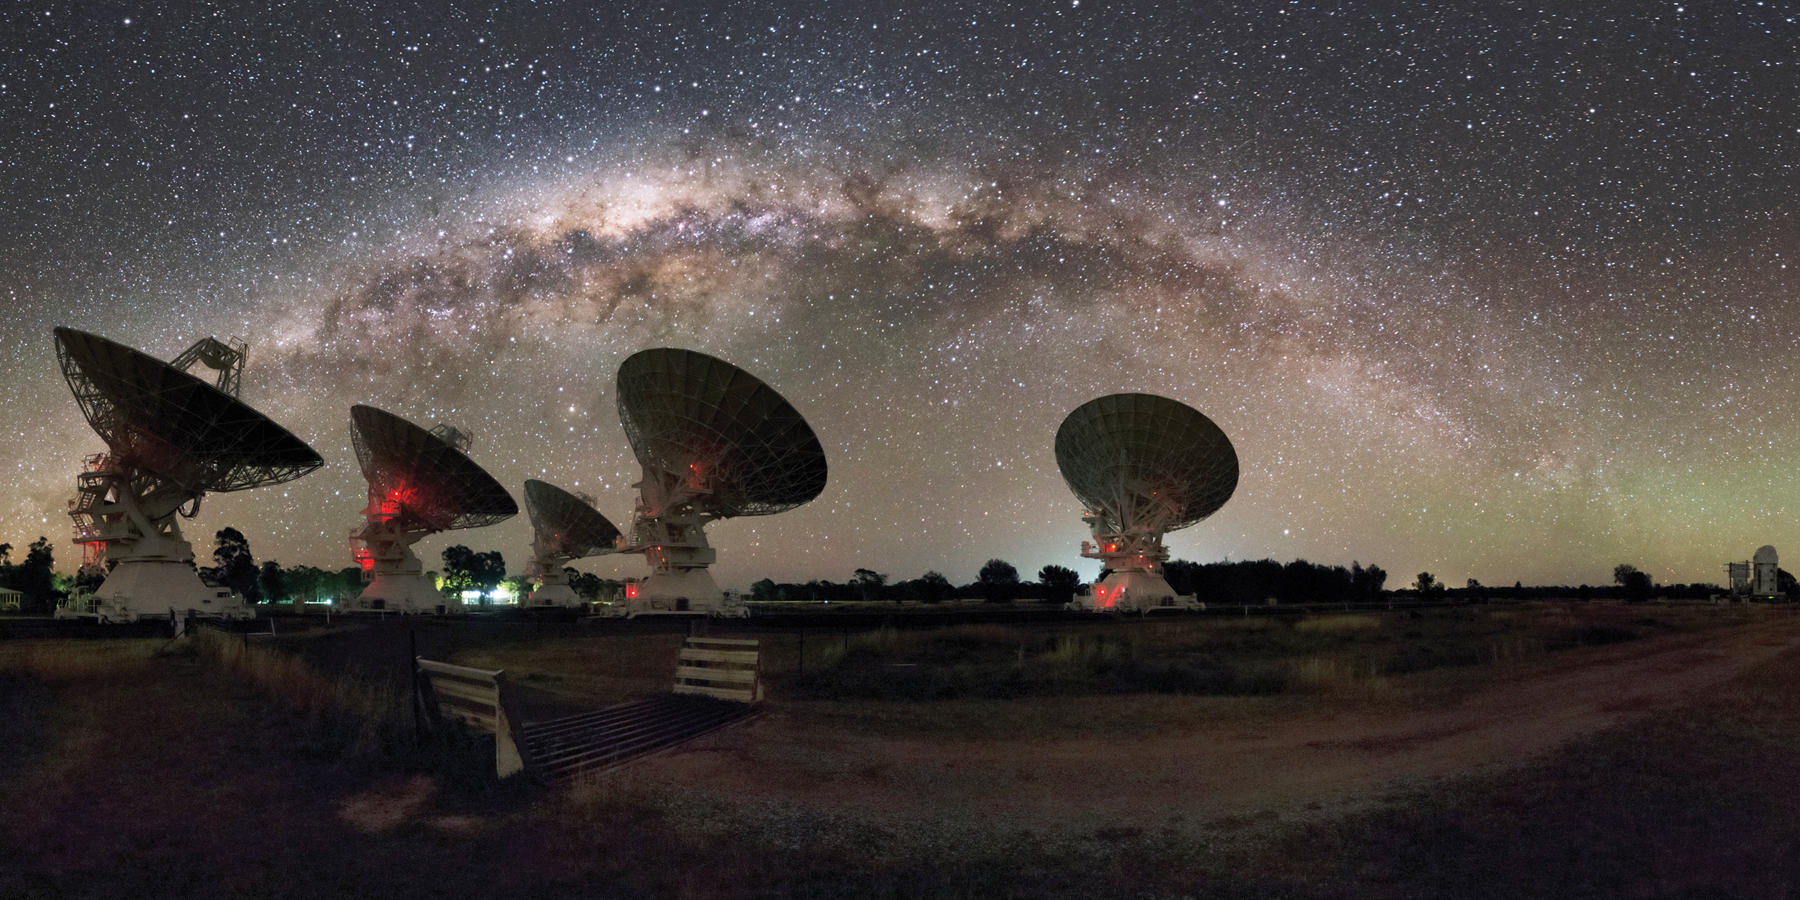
column 1476, row 288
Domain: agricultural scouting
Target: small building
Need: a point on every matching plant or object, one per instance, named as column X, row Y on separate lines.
column 1765, row 583
column 1759, row 578
column 10, row 599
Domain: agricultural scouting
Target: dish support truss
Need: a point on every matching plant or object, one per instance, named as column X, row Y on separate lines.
column 548, row 557
column 382, row 548
column 1133, row 559
column 129, row 517
column 668, row 527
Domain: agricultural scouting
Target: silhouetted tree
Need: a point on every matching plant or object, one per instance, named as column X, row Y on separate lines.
column 1366, row 583
column 236, row 568
column 89, row 578
column 586, row 585
column 459, row 562
column 272, row 581
column 868, row 584
column 1428, row 587
column 932, row 587
column 998, row 581
column 35, row 578
column 466, row 570
column 764, row 591
column 312, row 585
column 1636, row 584
column 1059, row 583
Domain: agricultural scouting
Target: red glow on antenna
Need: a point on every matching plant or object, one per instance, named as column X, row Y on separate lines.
column 396, row 499
column 1104, row 598
column 631, row 592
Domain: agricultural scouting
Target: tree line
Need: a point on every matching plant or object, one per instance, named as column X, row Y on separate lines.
column 1226, row 583
column 34, row 577
column 999, row 582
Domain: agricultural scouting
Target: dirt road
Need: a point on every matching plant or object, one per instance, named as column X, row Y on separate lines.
column 1261, row 768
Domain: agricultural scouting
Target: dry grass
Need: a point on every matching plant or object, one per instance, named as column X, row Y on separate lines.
column 215, row 802
column 1338, row 623
column 1692, row 802
column 587, row 670
column 1348, row 655
column 57, row 661
column 1335, row 675
column 355, row 718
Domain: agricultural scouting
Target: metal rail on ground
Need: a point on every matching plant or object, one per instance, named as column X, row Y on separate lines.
column 591, row 742
column 717, row 680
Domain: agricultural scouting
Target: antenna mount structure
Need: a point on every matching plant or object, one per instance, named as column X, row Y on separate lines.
column 715, row 442
column 171, row 439
column 420, row 483
column 1143, row 466
column 565, row 527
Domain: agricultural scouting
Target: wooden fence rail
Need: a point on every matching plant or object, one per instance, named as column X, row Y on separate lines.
column 475, row 697
column 716, row 669
column 725, row 668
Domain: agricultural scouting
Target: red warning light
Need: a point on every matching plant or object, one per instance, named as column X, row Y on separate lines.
column 631, row 592
column 1104, row 599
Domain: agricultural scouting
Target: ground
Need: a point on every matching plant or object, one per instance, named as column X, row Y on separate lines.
column 1341, row 758
column 1656, row 767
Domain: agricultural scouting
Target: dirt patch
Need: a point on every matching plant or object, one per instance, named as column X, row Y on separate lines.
column 388, row 805
column 1285, row 767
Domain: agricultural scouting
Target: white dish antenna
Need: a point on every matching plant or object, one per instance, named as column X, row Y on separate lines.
column 420, row 483
column 565, row 527
column 171, row 439
column 1143, row 466
column 715, row 442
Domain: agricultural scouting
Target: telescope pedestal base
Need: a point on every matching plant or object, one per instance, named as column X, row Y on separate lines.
column 683, row 592
column 405, row 593
column 152, row 588
column 1133, row 590
column 555, row 595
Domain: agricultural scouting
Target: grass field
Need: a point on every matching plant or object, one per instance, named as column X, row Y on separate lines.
column 158, row 769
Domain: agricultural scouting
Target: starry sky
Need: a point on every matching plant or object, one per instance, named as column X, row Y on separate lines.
column 1491, row 290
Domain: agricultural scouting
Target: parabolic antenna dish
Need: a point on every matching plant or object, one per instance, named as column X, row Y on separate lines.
column 1144, row 461
column 174, row 425
column 428, row 482
column 569, row 523
column 736, row 446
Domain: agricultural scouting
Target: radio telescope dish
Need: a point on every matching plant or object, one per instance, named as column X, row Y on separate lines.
column 171, row 438
column 715, row 442
column 1143, row 466
column 420, row 483
column 566, row 527
column 720, row 437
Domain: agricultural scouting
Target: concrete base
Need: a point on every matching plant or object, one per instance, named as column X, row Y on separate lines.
column 1133, row 590
column 404, row 593
column 144, row 589
column 555, row 595
column 684, row 592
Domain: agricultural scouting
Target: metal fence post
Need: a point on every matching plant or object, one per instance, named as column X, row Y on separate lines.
column 412, row 666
